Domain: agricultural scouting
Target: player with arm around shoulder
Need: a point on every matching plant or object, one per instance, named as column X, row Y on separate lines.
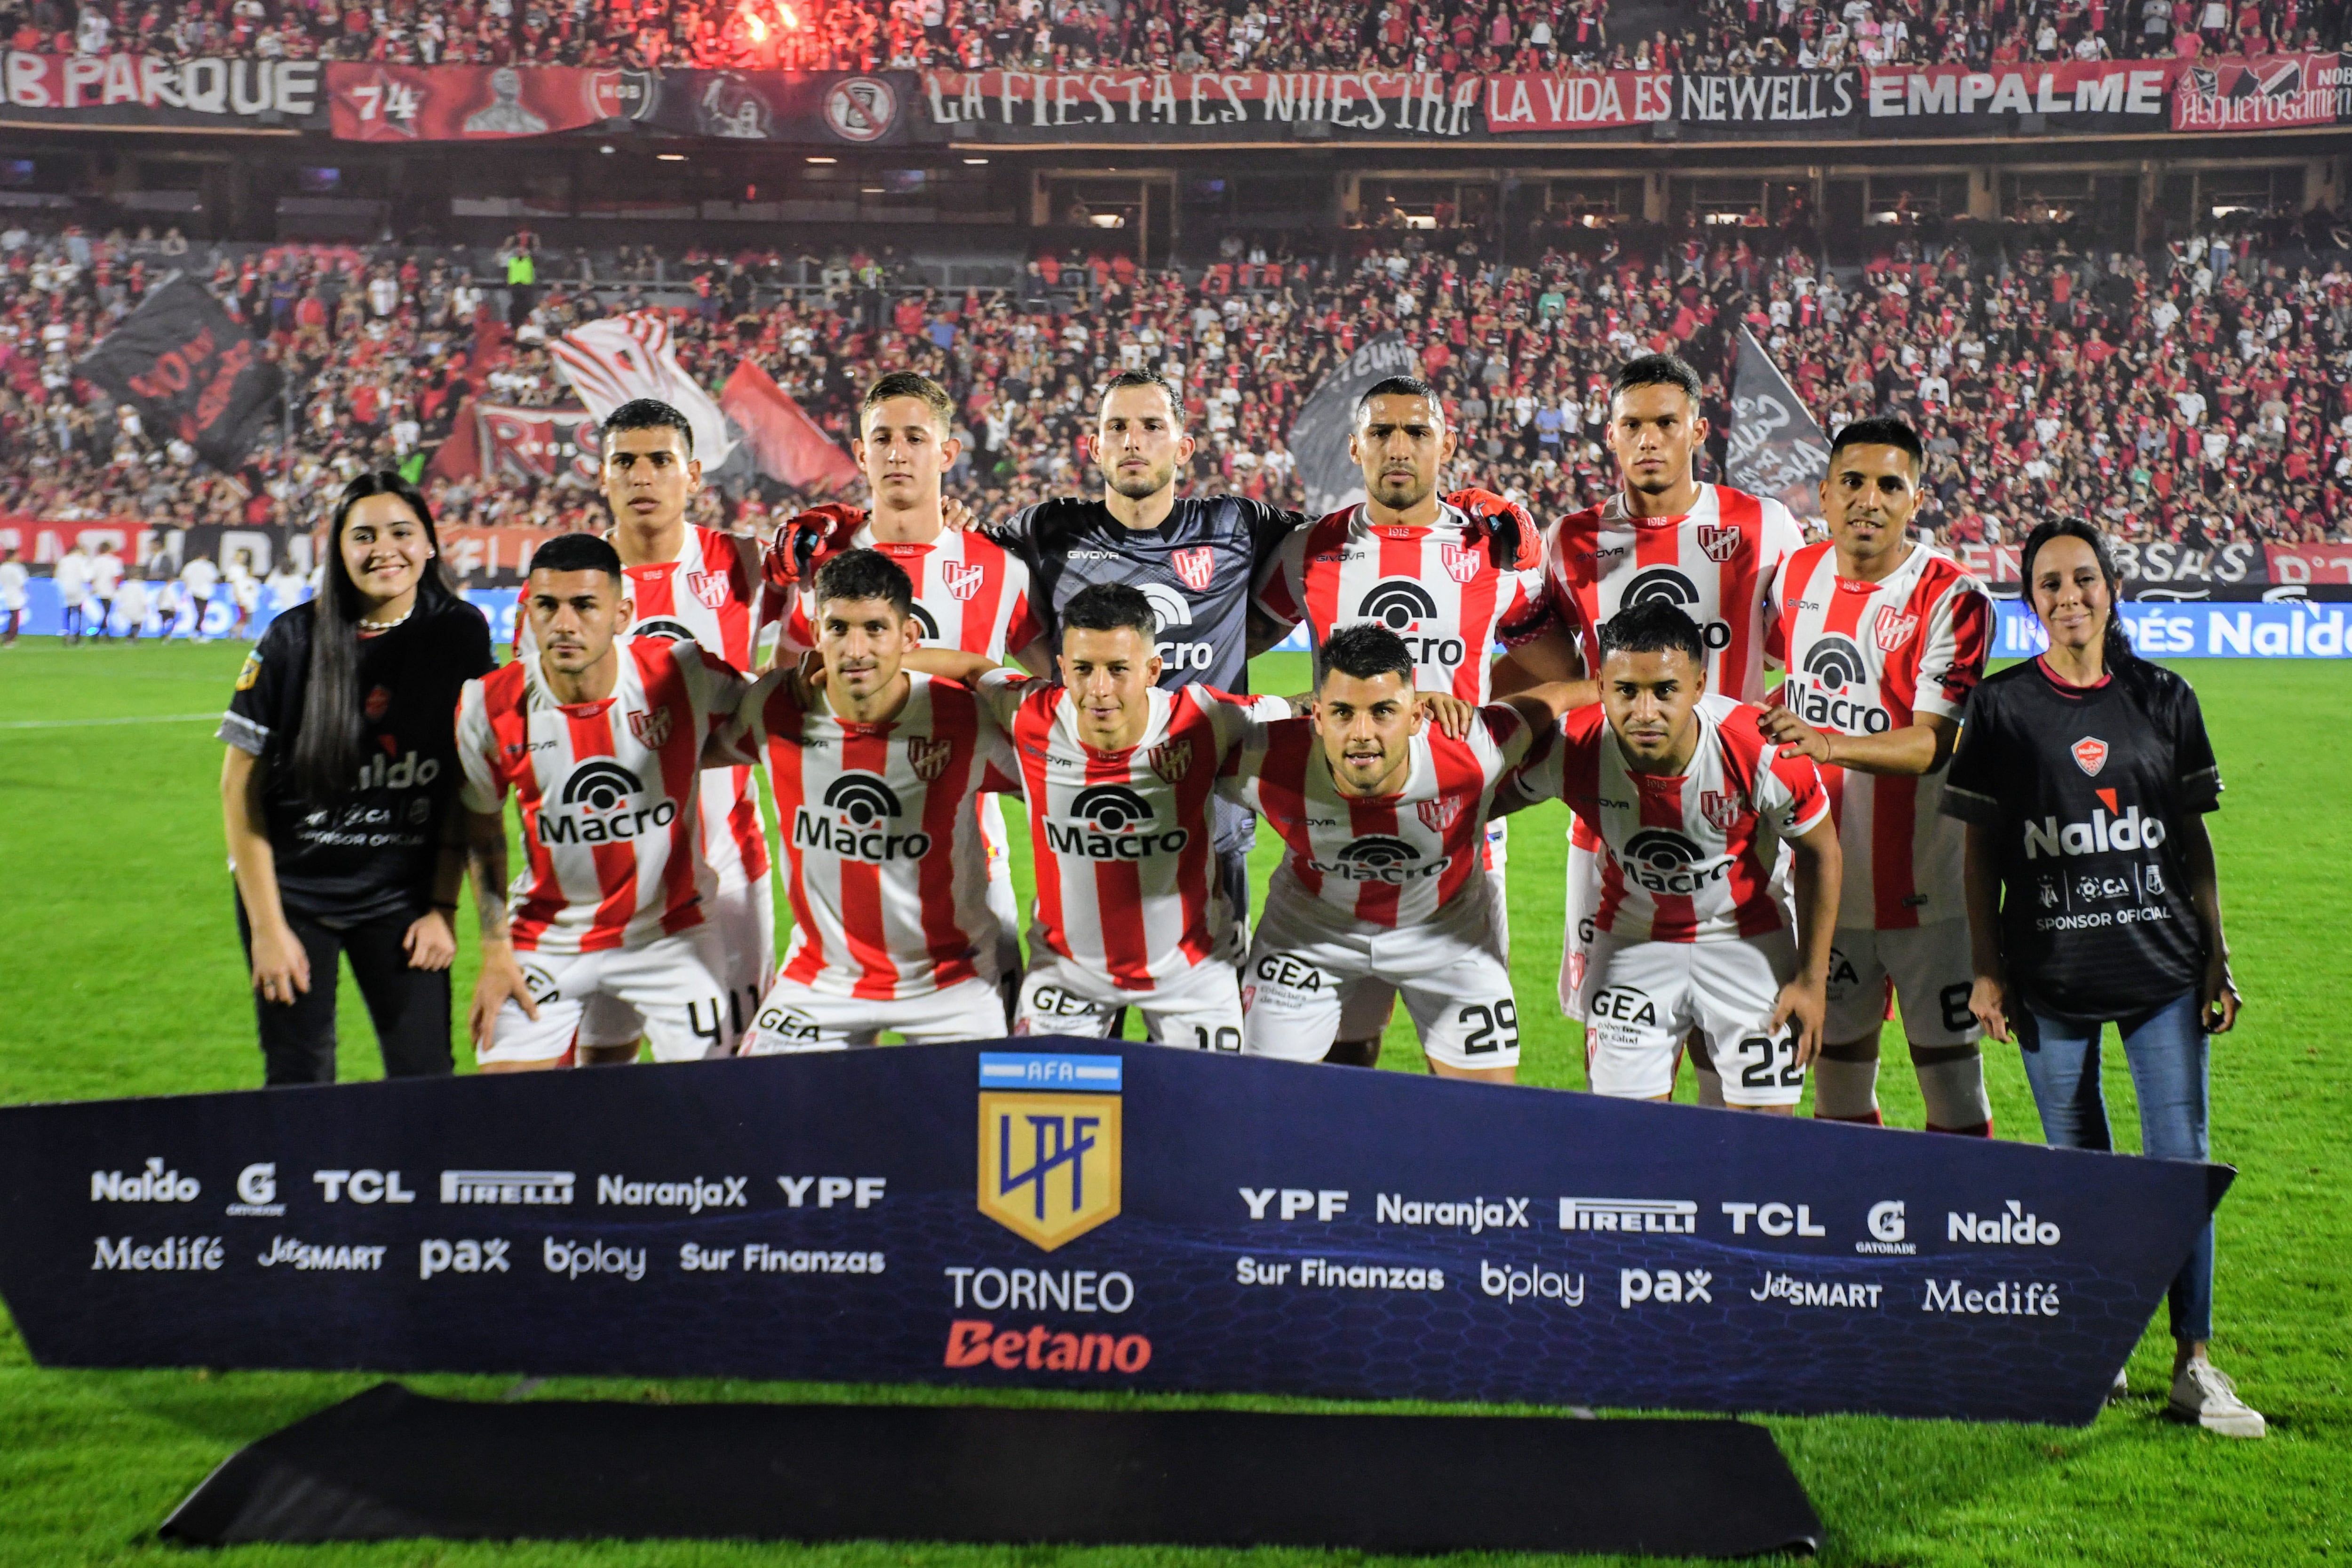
column 600, row 736
column 1691, row 803
column 1884, row 638
column 1384, row 818
column 874, row 769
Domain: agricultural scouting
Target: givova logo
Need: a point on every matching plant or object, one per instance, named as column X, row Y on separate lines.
column 601, row 803
column 1664, row 584
column 1112, row 822
column 859, row 808
column 1405, row 607
column 1169, row 610
column 1378, row 858
column 1660, row 860
column 1831, row 666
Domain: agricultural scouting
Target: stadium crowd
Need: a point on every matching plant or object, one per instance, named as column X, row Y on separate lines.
column 1446, row 35
column 2203, row 394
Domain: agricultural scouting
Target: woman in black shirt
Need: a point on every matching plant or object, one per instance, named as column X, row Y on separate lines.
column 337, row 788
column 2084, row 776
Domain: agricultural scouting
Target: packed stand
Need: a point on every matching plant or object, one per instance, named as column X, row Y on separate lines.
column 1779, row 34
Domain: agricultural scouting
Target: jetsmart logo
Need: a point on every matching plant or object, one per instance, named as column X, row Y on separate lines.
column 1377, row 858
column 2015, row 1229
column 2101, row 834
column 152, row 1186
column 1656, row 1216
column 598, row 804
column 505, row 1186
column 1112, row 822
column 855, row 823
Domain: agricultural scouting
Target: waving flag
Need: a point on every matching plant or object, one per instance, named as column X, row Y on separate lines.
column 1776, row 446
column 785, row 442
column 610, row 361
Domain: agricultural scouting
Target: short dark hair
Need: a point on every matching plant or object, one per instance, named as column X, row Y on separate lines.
column 1107, row 607
column 909, row 384
column 1882, row 430
column 1401, row 386
column 1365, row 650
column 1145, row 378
column 1653, row 626
column 866, row 575
column 578, row 552
column 648, row 414
column 1658, row 370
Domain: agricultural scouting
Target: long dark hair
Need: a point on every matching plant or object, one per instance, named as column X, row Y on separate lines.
column 2116, row 654
column 326, row 754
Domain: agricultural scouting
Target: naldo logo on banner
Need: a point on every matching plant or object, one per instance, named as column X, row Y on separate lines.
column 2286, row 628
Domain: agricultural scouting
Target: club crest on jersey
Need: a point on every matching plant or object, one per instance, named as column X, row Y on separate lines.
column 1720, row 807
column 1049, row 1155
column 1461, row 561
column 1893, row 628
column 2090, row 754
column 1437, row 816
column 1721, row 543
column 1171, row 760
column 928, row 755
column 650, row 726
column 710, row 587
column 1195, row 566
column 960, row 582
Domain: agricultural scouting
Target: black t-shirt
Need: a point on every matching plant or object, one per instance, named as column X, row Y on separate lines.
column 2087, row 789
column 372, row 851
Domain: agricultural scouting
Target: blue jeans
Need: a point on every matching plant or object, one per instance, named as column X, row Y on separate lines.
column 2166, row 1049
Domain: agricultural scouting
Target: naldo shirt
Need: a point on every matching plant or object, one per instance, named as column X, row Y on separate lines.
column 370, row 851
column 2088, row 791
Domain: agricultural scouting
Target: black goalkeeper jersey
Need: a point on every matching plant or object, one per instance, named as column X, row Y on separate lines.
column 2086, row 790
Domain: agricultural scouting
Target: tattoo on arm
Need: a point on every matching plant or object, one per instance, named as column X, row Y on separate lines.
column 486, row 857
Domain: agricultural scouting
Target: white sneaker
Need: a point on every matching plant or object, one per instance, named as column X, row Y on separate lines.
column 2203, row 1393
column 2121, row 1389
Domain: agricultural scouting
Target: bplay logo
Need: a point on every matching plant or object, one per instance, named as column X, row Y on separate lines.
column 574, row 1259
column 152, row 1186
column 1667, row 1286
column 1405, row 607
column 1514, row 1283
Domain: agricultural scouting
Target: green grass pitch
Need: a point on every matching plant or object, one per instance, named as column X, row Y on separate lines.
column 120, row 975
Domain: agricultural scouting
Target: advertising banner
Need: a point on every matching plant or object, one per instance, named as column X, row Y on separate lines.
column 1007, row 1215
column 1775, row 447
column 2273, row 93
column 1955, row 100
column 114, row 91
column 190, row 368
column 1230, row 106
column 1319, row 436
column 1815, row 102
column 2286, row 628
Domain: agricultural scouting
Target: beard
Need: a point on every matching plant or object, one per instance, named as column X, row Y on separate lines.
column 1401, row 495
column 1150, row 484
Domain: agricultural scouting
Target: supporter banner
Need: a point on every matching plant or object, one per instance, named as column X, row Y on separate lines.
column 1954, row 100
column 2166, row 570
column 476, row 103
column 112, row 91
column 1798, row 100
column 1319, row 436
column 536, row 443
column 1238, row 106
column 995, row 1216
column 502, row 555
column 2316, row 565
column 1579, row 100
column 2271, row 93
column 190, row 368
column 1775, row 447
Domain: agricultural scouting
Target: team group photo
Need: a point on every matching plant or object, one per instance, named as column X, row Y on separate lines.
column 1537, row 796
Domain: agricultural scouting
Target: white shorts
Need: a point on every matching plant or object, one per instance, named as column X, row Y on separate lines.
column 1931, row 968
column 1583, row 904
column 743, row 919
column 1305, row 980
column 1201, row 1007
column 1642, row 999
column 671, row 985
column 792, row 1018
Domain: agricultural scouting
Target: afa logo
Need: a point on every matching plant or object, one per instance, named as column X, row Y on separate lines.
column 1049, row 1144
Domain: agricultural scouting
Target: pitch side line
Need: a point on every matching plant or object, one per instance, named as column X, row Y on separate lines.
column 93, row 724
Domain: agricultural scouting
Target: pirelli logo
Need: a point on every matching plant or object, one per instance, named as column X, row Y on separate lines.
column 1655, row 1216
column 505, row 1186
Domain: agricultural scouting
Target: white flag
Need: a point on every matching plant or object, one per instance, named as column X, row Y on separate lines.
column 608, row 363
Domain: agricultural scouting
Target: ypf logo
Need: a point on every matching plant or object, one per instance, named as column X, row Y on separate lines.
column 1664, row 584
column 1049, row 1158
column 862, row 798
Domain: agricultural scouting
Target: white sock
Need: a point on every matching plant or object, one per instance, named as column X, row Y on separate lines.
column 1955, row 1092
column 1710, row 1087
column 1845, row 1091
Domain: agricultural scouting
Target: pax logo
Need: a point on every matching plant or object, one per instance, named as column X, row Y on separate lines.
column 1666, row 1286
column 2090, row 754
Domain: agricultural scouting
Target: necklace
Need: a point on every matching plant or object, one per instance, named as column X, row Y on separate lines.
column 368, row 626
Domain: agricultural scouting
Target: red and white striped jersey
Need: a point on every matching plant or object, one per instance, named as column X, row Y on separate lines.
column 1865, row 658
column 709, row 595
column 1716, row 561
column 1126, row 875
column 1386, row 860
column 884, row 859
column 1437, row 587
column 608, row 791
column 1689, row 858
column 970, row 594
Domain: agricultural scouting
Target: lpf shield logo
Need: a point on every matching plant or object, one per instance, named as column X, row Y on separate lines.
column 1195, row 566
column 650, row 726
column 710, row 587
column 1049, row 1144
column 1719, row 542
column 1461, row 561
